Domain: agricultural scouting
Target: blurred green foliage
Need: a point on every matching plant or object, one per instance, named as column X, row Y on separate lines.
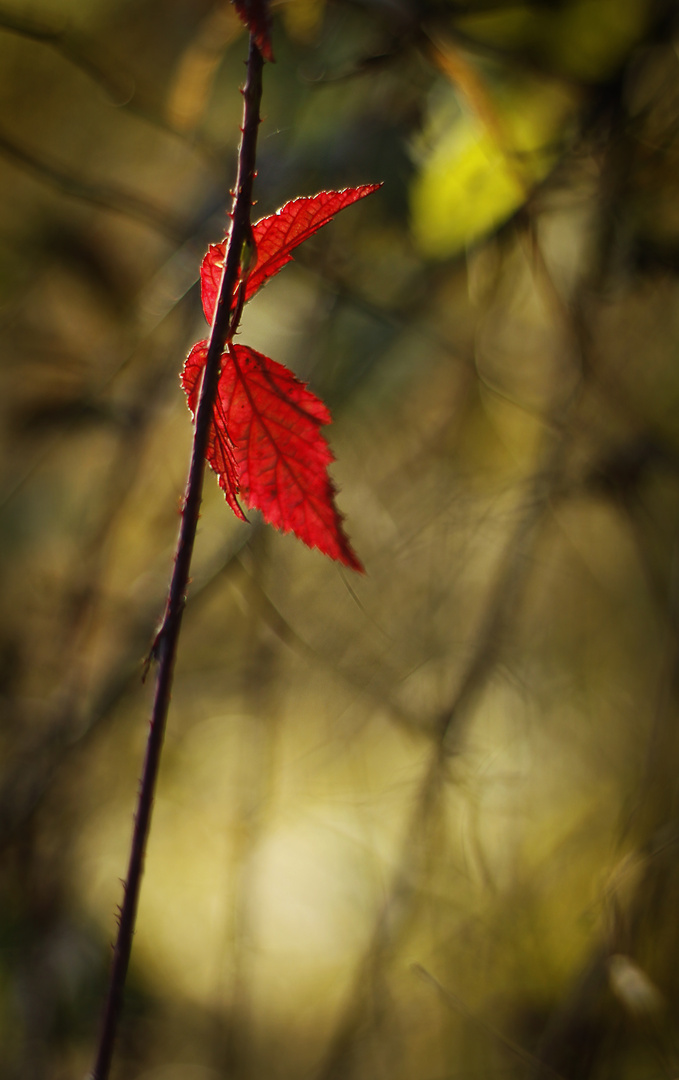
column 421, row 824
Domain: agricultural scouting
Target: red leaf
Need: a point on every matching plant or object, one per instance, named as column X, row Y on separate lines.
column 264, row 441
column 267, row 423
column 255, row 15
column 276, row 236
column 220, row 451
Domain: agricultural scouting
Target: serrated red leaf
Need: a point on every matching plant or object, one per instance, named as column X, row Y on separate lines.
column 264, row 442
column 220, row 451
column 255, row 15
column 275, row 237
column 266, row 447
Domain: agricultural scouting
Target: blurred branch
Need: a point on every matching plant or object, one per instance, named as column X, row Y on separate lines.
column 117, row 82
column 500, row 612
column 455, row 1003
column 642, row 884
column 108, row 198
column 41, row 757
column 270, row 615
column 81, row 51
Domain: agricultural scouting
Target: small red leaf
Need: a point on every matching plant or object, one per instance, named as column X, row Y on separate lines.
column 255, row 15
column 211, row 271
column 266, row 446
column 276, row 236
column 220, row 451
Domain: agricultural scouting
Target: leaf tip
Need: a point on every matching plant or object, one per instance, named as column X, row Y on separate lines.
column 352, row 561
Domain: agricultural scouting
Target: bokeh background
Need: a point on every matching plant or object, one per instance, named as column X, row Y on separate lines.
column 421, row 824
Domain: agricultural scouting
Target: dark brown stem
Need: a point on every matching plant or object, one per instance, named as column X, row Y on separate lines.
column 165, row 648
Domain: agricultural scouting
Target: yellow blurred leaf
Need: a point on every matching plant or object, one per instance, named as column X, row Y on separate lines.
column 476, row 175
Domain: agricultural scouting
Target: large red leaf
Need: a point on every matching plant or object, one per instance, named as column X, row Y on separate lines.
column 276, row 236
column 267, row 424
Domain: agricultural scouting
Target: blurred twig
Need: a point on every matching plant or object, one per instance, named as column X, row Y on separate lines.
column 102, row 195
column 74, row 46
column 456, row 1003
column 499, row 615
column 118, row 83
column 500, row 612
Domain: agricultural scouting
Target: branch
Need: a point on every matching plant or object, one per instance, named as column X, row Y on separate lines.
column 165, row 646
column 102, row 195
column 75, row 47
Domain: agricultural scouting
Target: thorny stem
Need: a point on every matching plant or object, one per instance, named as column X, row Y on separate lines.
column 165, row 647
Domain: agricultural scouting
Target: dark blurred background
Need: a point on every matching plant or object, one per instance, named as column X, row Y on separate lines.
column 417, row 825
